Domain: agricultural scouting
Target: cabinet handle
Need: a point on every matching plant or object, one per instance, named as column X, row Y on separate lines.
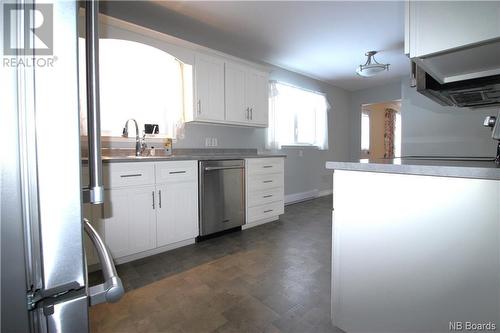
column 153, row 193
column 267, row 181
column 159, row 198
column 267, row 196
column 267, row 166
column 174, row 172
column 131, row 175
column 247, row 113
column 251, row 113
column 268, row 211
column 199, row 106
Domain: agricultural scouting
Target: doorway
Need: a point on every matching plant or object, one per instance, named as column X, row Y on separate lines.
column 381, row 130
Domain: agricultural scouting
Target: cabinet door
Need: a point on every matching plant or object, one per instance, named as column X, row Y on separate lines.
column 177, row 218
column 209, row 83
column 130, row 220
column 257, row 97
column 437, row 26
column 236, row 107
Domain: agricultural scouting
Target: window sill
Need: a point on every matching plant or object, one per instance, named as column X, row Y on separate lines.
column 299, row 146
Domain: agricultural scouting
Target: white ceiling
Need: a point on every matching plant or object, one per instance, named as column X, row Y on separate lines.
column 324, row 39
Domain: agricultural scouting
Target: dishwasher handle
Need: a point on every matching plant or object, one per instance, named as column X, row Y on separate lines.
column 224, row 167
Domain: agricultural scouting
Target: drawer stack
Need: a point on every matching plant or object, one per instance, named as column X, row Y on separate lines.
column 264, row 189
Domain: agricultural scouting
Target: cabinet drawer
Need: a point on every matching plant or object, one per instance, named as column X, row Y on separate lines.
column 264, row 211
column 128, row 174
column 264, row 182
column 262, row 197
column 258, row 166
column 176, row 171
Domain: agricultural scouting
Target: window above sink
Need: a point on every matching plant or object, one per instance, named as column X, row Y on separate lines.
column 139, row 79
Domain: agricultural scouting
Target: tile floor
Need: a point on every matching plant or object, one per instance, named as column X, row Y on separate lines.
column 271, row 278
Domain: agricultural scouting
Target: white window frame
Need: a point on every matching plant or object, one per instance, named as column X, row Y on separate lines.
column 296, row 143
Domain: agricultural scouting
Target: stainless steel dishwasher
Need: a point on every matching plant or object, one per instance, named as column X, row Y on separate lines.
column 221, row 195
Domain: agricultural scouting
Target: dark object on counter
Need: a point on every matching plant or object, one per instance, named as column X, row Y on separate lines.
column 151, row 129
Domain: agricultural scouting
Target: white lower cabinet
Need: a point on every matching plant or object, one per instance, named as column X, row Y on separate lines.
column 130, row 220
column 159, row 214
column 264, row 190
column 177, row 215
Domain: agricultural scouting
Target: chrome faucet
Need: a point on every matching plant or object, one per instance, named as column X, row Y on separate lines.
column 139, row 143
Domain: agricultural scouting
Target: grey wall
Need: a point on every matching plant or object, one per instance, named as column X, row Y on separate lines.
column 302, row 173
column 427, row 127
column 431, row 129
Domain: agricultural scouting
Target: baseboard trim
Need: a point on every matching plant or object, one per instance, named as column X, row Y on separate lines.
column 154, row 251
column 304, row 196
column 256, row 223
column 324, row 193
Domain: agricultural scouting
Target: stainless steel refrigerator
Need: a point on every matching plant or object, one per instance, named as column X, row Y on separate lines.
column 44, row 274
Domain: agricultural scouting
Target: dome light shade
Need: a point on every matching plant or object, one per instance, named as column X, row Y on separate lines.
column 371, row 67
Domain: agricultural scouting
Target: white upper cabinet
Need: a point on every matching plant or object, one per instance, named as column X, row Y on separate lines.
column 246, row 95
column 440, row 26
column 209, row 89
column 257, row 97
column 237, row 109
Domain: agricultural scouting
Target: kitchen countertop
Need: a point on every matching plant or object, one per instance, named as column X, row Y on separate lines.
column 441, row 167
column 116, row 159
column 126, row 155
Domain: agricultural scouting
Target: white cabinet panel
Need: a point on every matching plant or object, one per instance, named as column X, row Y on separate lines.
column 267, row 181
column 141, row 218
column 177, row 217
column 257, row 97
column 246, row 95
column 209, row 89
column 261, row 197
column 437, row 26
column 237, row 109
column 265, row 211
column 128, row 174
column 130, row 220
column 269, row 165
column 176, row 171
column 412, row 253
column 264, row 190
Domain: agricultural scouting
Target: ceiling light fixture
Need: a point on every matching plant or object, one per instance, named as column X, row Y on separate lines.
column 371, row 67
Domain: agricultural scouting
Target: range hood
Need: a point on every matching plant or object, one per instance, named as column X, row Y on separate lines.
column 473, row 93
column 463, row 77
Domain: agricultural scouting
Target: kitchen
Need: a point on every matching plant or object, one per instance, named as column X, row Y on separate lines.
column 205, row 137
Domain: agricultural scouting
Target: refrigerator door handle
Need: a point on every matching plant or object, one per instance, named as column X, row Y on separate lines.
column 95, row 192
column 112, row 289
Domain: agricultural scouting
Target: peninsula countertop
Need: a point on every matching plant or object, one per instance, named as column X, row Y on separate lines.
column 476, row 168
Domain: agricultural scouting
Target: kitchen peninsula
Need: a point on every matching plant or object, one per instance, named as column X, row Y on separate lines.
column 415, row 244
